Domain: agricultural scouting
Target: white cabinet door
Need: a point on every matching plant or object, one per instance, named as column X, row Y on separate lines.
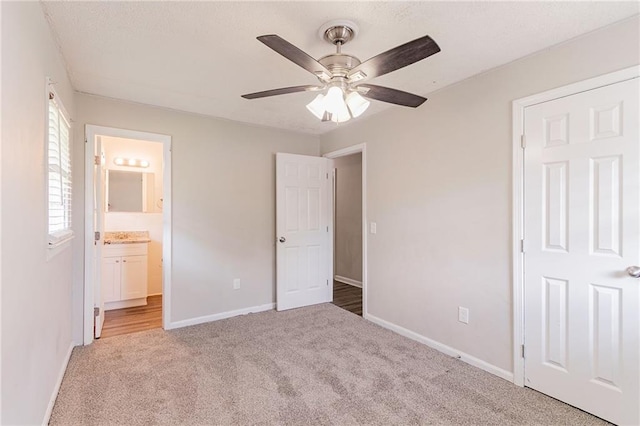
column 134, row 277
column 582, row 230
column 302, row 219
column 111, row 279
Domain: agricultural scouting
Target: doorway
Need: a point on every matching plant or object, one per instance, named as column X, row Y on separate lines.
column 349, row 228
column 128, row 228
column 576, row 191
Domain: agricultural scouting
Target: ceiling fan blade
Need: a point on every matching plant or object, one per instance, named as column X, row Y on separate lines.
column 394, row 59
column 392, row 96
column 296, row 55
column 282, row 91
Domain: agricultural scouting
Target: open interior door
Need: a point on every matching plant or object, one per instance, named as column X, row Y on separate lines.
column 98, row 225
column 304, row 262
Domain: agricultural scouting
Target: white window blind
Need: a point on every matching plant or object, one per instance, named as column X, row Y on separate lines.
column 59, row 173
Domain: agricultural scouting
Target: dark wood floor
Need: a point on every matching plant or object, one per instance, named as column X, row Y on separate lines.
column 347, row 297
column 132, row 320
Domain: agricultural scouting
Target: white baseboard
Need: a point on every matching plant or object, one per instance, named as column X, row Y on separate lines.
column 349, row 281
column 56, row 388
column 476, row 362
column 222, row 315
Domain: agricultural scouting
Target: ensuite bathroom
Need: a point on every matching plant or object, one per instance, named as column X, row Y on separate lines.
column 131, row 259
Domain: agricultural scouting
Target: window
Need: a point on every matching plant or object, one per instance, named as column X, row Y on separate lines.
column 58, row 173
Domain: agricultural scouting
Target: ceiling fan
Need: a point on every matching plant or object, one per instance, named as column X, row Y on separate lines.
column 342, row 76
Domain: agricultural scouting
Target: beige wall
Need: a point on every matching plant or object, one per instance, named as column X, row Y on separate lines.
column 439, row 188
column 348, row 235
column 223, row 203
column 36, row 288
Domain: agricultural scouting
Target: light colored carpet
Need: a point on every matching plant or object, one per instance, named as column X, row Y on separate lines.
column 317, row 365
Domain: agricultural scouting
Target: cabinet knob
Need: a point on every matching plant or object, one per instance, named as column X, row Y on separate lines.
column 117, row 261
column 124, row 261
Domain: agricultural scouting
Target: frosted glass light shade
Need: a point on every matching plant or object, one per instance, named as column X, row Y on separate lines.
column 357, row 104
column 342, row 115
column 316, row 106
column 334, row 101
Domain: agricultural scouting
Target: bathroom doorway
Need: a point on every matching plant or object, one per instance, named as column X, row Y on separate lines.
column 348, row 253
column 131, row 269
column 128, row 228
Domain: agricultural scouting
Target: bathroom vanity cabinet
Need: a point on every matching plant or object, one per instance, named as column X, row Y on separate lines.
column 124, row 275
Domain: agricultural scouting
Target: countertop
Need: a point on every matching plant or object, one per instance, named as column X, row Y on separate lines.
column 126, row 237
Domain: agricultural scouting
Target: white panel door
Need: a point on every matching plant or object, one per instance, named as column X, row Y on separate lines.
column 302, row 233
column 582, row 230
column 99, row 174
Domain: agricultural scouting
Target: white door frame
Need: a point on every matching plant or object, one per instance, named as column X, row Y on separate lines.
column 91, row 131
column 518, row 111
column 354, row 149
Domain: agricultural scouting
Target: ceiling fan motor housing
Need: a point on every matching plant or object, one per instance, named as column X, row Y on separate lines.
column 339, row 63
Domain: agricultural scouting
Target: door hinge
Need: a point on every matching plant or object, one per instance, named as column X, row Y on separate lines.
column 327, row 175
column 522, row 350
column 523, row 141
column 96, row 160
column 521, row 246
column 327, row 229
column 327, row 282
column 85, row 140
column 96, row 236
column 96, row 311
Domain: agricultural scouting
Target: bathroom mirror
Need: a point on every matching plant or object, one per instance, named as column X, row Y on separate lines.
column 129, row 191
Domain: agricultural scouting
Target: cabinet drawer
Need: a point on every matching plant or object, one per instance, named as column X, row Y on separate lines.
column 114, row 250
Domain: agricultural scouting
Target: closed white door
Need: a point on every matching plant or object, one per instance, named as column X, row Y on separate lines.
column 302, row 231
column 582, row 231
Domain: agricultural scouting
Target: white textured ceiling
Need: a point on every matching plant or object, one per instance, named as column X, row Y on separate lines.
column 201, row 56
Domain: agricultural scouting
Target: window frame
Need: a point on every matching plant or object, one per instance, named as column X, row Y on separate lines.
column 59, row 237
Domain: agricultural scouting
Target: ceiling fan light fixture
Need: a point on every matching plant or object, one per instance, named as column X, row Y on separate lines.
column 341, row 74
column 357, row 104
column 334, row 100
column 316, row 106
column 341, row 115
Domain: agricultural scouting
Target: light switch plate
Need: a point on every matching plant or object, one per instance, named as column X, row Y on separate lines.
column 236, row 283
column 463, row 315
column 372, row 227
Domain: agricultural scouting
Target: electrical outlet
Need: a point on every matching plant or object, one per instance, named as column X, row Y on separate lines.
column 236, row 283
column 373, row 228
column 463, row 315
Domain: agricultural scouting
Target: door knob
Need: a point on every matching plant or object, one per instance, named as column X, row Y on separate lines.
column 634, row 271
column 282, row 239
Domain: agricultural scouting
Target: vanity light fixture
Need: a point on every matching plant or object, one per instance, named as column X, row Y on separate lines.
column 130, row 162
